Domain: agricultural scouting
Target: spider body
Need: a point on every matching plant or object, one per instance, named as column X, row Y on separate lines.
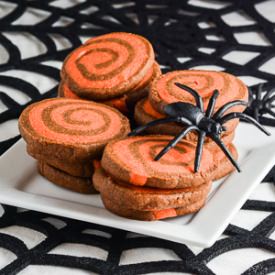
column 195, row 115
column 205, row 123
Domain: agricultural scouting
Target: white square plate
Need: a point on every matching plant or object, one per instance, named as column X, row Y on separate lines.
column 22, row 186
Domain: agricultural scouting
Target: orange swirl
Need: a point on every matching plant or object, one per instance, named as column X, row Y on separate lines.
column 72, row 121
column 136, row 155
column 107, row 65
column 164, row 91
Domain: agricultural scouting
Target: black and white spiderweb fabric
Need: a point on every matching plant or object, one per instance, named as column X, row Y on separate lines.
column 35, row 37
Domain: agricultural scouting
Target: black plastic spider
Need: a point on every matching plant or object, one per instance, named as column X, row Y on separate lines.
column 204, row 122
column 260, row 105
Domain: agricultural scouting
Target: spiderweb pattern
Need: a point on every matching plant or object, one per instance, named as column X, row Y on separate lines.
column 185, row 34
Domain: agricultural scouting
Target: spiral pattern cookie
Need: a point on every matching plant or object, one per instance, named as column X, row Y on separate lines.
column 164, row 91
column 71, row 129
column 131, row 160
column 108, row 66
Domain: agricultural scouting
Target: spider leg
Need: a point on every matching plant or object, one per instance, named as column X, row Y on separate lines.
column 270, row 99
column 227, row 106
column 211, row 104
column 266, row 96
column 225, row 151
column 270, row 112
column 260, row 90
column 156, row 122
column 244, row 117
column 172, row 143
column 194, row 93
column 250, row 96
column 199, row 148
column 256, row 113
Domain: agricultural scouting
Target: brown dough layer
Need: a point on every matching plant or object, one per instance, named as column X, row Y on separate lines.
column 77, row 184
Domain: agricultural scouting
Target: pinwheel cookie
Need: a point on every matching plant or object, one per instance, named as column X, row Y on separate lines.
column 115, row 68
column 69, row 134
column 131, row 160
column 145, row 203
column 164, row 91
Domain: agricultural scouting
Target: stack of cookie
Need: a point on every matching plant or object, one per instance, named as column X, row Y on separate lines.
column 132, row 184
column 67, row 137
column 163, row 91
column 115, row 69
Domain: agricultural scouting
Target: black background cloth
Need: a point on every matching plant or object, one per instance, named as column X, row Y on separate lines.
column 178, row 31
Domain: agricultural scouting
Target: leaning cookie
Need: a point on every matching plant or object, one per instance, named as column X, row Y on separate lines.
column 62, row 179
column 164, row 91
column 71, row 130
column 131, row 160
column 108, row 66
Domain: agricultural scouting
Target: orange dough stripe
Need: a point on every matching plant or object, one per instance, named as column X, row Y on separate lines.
column 148, row 108
column 164, row 213
column 96, row 164
column 137, row 179
column 68, row 93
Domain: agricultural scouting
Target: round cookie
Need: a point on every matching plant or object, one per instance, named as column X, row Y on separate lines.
column 164, row 91
column 152, row 215
column 131, row 160
column 145, row 113
column 146, row 198
column 74, row 130
column 108, row 66
column 128, row 100
column 60, row 178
